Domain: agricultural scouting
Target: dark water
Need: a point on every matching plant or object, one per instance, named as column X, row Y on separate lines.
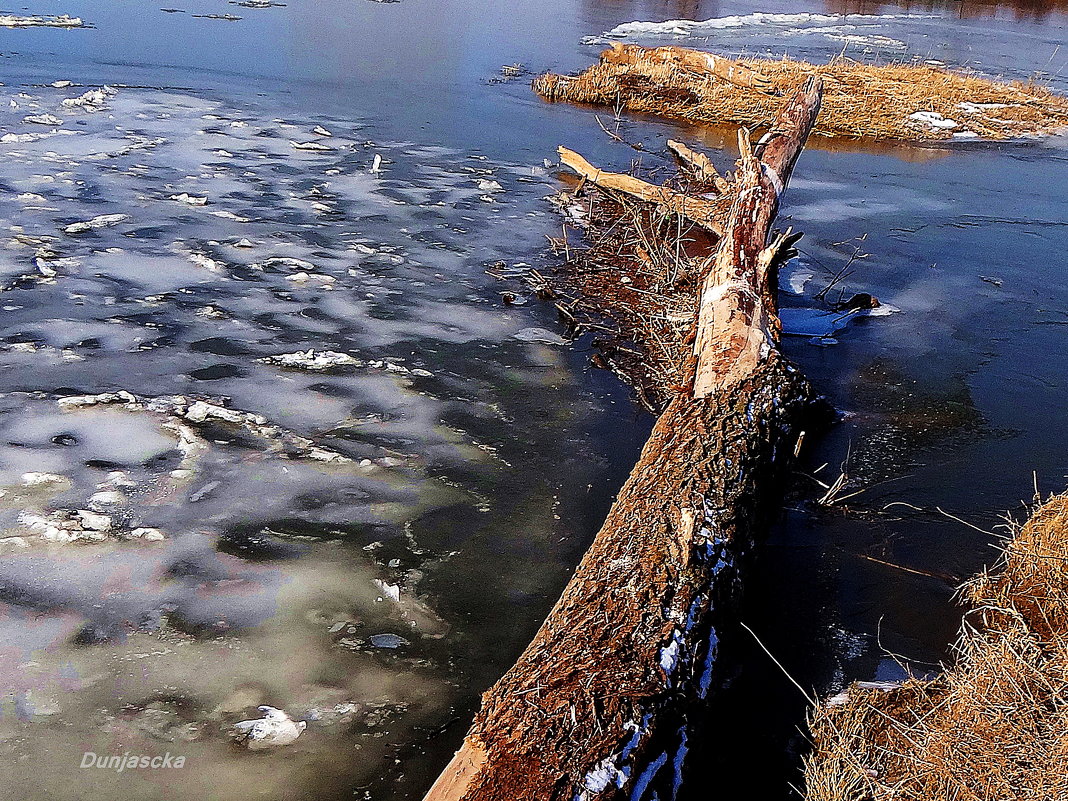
column 478, row 454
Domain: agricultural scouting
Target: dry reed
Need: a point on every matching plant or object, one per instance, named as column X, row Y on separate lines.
column 995, row 724
column 860, row 100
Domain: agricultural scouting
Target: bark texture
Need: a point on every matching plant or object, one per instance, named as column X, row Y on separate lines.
column 589, row 710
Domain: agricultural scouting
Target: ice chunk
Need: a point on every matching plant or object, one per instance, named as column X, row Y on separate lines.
column 388, row 641
column 91, row 100
column 273, row 730
column 312, row 360
column 190, row 200
column 310, row 145
column 102, row 221
column 43, row 119
column 390, row 591
column 35, row 479
column 42, row 21
column 535, row 334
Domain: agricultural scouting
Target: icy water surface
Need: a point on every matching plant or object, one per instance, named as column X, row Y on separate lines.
column 260, row 399
column 269, row 435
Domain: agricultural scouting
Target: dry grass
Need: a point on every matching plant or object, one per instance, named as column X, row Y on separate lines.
column 860, row 100
column 632, row 284
column 995, row 724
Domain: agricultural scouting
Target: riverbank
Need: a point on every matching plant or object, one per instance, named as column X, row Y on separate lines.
column 994, row 725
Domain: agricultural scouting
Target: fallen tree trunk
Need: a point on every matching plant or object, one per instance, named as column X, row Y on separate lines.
column 693, row 61
column 591, row 709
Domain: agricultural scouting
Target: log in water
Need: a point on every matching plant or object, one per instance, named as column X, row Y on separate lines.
column 592, row 708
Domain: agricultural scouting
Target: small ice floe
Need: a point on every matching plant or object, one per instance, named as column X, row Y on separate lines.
column 376, row 165
column 61, row 84
column 319, row 146
column 304, row 278
column 91, row 100
column 388, row 641
column 312, row 360
column 273, row 730
column 290, row 262
column 796, row 278
column 36, row 479
column 42, row 21
column 226, row 214
column 319, row 130
column 842, row 698
column 23, row 138
column 223, row 17
column 605, row 773
column 394, row 367
column 487, row 185
column 190, row 200
column 243, row 243
column 257, row 4
column 118, row 478
column 43, row 119
column 934, row 120
column 207, row 262
column 102, row 221
column 390, row 591
column 542, row 335
column 821, row 325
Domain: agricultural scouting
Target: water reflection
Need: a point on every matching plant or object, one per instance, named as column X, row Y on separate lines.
column 1033, row 10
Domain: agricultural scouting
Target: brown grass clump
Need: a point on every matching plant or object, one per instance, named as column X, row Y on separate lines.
column 860, row 100
column 632, row 285
column 995, row 724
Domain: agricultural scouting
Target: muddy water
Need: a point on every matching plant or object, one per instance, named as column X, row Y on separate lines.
column 369, row 545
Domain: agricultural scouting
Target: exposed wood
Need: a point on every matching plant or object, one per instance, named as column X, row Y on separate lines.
column 694, row 61
column 707, row 213
column 458, row 774
column 699, row 165
column 591, row 709
column 737, row 322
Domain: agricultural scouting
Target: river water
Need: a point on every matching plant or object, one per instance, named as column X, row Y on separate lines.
column 369, row 546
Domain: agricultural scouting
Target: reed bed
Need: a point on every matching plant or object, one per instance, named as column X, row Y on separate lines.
column 905, row 102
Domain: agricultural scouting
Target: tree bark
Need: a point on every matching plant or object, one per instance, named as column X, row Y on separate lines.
column 590, row 710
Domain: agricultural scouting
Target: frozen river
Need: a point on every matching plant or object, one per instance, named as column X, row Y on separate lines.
column 269, row 434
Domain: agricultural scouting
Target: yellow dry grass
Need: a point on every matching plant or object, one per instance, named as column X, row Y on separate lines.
column 859, row 101
column 994, row 726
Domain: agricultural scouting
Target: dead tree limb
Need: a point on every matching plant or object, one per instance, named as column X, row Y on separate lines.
column 590, row 710
column 699, row 165
column 708, row 214
column 694, row 61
